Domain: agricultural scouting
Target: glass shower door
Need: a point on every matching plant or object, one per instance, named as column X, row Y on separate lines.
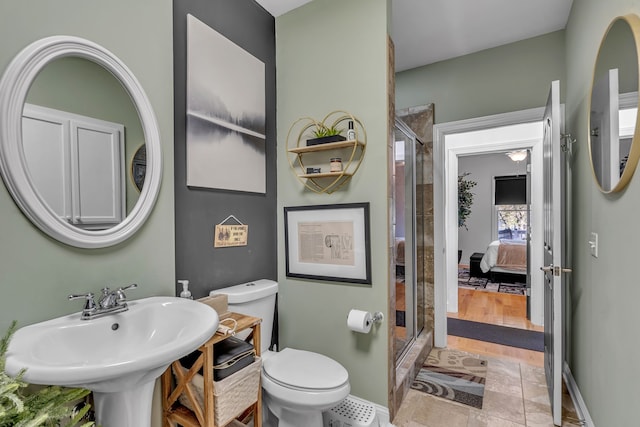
column 404, row 232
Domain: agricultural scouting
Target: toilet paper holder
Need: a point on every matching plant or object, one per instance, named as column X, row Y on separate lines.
column 361, row 321
column 377, row 317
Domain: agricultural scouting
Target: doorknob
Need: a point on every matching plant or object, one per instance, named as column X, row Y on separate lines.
column 555, row 270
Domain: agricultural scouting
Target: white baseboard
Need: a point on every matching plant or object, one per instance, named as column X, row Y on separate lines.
column 578, row 401
column 383, row 416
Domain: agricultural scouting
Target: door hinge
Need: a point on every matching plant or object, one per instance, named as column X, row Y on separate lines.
column 568, row 142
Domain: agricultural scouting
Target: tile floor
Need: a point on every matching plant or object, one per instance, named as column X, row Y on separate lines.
column 515, row 396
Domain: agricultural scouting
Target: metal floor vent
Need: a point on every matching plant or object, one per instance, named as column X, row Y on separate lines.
column 351, row 412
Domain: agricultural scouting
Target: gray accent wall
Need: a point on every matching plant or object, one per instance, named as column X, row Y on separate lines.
column 198, row 210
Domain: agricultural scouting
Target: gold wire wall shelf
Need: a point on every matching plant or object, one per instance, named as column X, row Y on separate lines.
column 314, row 163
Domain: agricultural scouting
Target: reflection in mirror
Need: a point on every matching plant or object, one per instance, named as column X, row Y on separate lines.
column 614, row 105
column 139, row 167
column 79, row 125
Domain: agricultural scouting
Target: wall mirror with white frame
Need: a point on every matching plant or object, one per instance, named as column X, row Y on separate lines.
column 613, row 125
column 72, row 116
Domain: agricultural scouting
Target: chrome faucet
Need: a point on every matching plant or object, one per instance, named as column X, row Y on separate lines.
column 110, row 302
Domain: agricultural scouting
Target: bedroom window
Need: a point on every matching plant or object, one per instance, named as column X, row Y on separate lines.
column 512, row 222
column 512, row 210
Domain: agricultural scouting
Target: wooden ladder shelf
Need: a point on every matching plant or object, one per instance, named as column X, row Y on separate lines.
column 175, row 381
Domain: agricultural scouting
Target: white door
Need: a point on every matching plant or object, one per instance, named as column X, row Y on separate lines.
column 554, row 240
column 45, row 141
column 98, row 179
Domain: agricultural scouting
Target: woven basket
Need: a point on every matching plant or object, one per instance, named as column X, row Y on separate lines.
column 233, row 394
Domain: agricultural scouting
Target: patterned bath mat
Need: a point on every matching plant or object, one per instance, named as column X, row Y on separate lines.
column 453, row 375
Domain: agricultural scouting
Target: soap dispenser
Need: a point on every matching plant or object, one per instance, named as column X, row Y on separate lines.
column 186, row 293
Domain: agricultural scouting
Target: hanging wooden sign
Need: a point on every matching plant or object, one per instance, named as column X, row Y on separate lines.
column 230, row 235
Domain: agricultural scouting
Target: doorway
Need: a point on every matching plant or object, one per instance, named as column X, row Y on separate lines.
column 500, row 133
column 493, row 217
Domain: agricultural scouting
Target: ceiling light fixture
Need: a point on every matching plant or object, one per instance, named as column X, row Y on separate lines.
column 517, row 156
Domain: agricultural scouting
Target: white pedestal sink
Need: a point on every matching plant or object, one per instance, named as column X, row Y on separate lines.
column 118, row 357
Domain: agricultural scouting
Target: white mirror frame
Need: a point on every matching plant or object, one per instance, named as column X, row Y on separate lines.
column 14, row 87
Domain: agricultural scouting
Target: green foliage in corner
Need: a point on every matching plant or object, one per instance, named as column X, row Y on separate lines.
column 465, row 199
column 50, row 406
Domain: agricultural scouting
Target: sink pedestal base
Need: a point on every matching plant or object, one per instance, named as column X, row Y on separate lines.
column 130, row 408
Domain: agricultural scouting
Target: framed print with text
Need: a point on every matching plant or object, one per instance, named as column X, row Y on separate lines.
column 328, row 242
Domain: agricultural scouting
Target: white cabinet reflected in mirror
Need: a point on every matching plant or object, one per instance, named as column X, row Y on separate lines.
column 82, row 87
column 76, row 163
column 613, row 109
column 72, row 117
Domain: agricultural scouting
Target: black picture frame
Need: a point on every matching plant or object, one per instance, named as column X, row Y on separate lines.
column 139, row 167
column 328, row 242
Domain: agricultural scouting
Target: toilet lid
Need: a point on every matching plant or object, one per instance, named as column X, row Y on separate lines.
column 304, row 369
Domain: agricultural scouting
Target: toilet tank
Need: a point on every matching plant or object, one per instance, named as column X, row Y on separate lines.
column 258, row 299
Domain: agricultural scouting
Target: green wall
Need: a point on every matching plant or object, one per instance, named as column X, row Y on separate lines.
column 512, row 77
column 37, row 272
column 604, row 290
column 332, row 55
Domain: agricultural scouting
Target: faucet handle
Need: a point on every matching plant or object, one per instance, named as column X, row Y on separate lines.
column 126, row 288
column 120, row 296
column 89, row 304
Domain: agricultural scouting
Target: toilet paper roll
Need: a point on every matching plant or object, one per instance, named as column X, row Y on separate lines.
column 359, row 321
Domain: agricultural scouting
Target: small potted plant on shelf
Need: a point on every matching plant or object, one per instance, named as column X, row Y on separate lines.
column 324, row 134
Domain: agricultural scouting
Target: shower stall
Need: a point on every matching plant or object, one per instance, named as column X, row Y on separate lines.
column 407, row 229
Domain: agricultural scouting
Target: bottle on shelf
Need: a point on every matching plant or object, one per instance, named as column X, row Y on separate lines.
column 351, row 133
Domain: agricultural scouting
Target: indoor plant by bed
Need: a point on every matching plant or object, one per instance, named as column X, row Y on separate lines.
column 465, row 200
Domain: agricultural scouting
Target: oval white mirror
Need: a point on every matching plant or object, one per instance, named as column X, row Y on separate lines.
column 68, row 211
column 613, row 125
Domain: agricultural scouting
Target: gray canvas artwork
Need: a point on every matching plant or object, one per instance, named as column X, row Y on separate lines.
column 225, row 113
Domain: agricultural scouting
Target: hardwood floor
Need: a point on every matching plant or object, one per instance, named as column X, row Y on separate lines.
column 498, row 309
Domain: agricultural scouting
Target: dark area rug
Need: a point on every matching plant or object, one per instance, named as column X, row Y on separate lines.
column 464, row 281
column 503, row 335
column 453, row 375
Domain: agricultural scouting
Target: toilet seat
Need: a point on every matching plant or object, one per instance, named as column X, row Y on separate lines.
column 305, row 370
column 291, row 379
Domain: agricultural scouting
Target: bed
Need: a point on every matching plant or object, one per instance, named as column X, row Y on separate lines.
column 507, row 259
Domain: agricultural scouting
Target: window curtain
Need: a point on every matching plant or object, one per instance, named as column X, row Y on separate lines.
column 511, row 190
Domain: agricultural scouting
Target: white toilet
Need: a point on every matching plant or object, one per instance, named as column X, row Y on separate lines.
column 297, row 385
